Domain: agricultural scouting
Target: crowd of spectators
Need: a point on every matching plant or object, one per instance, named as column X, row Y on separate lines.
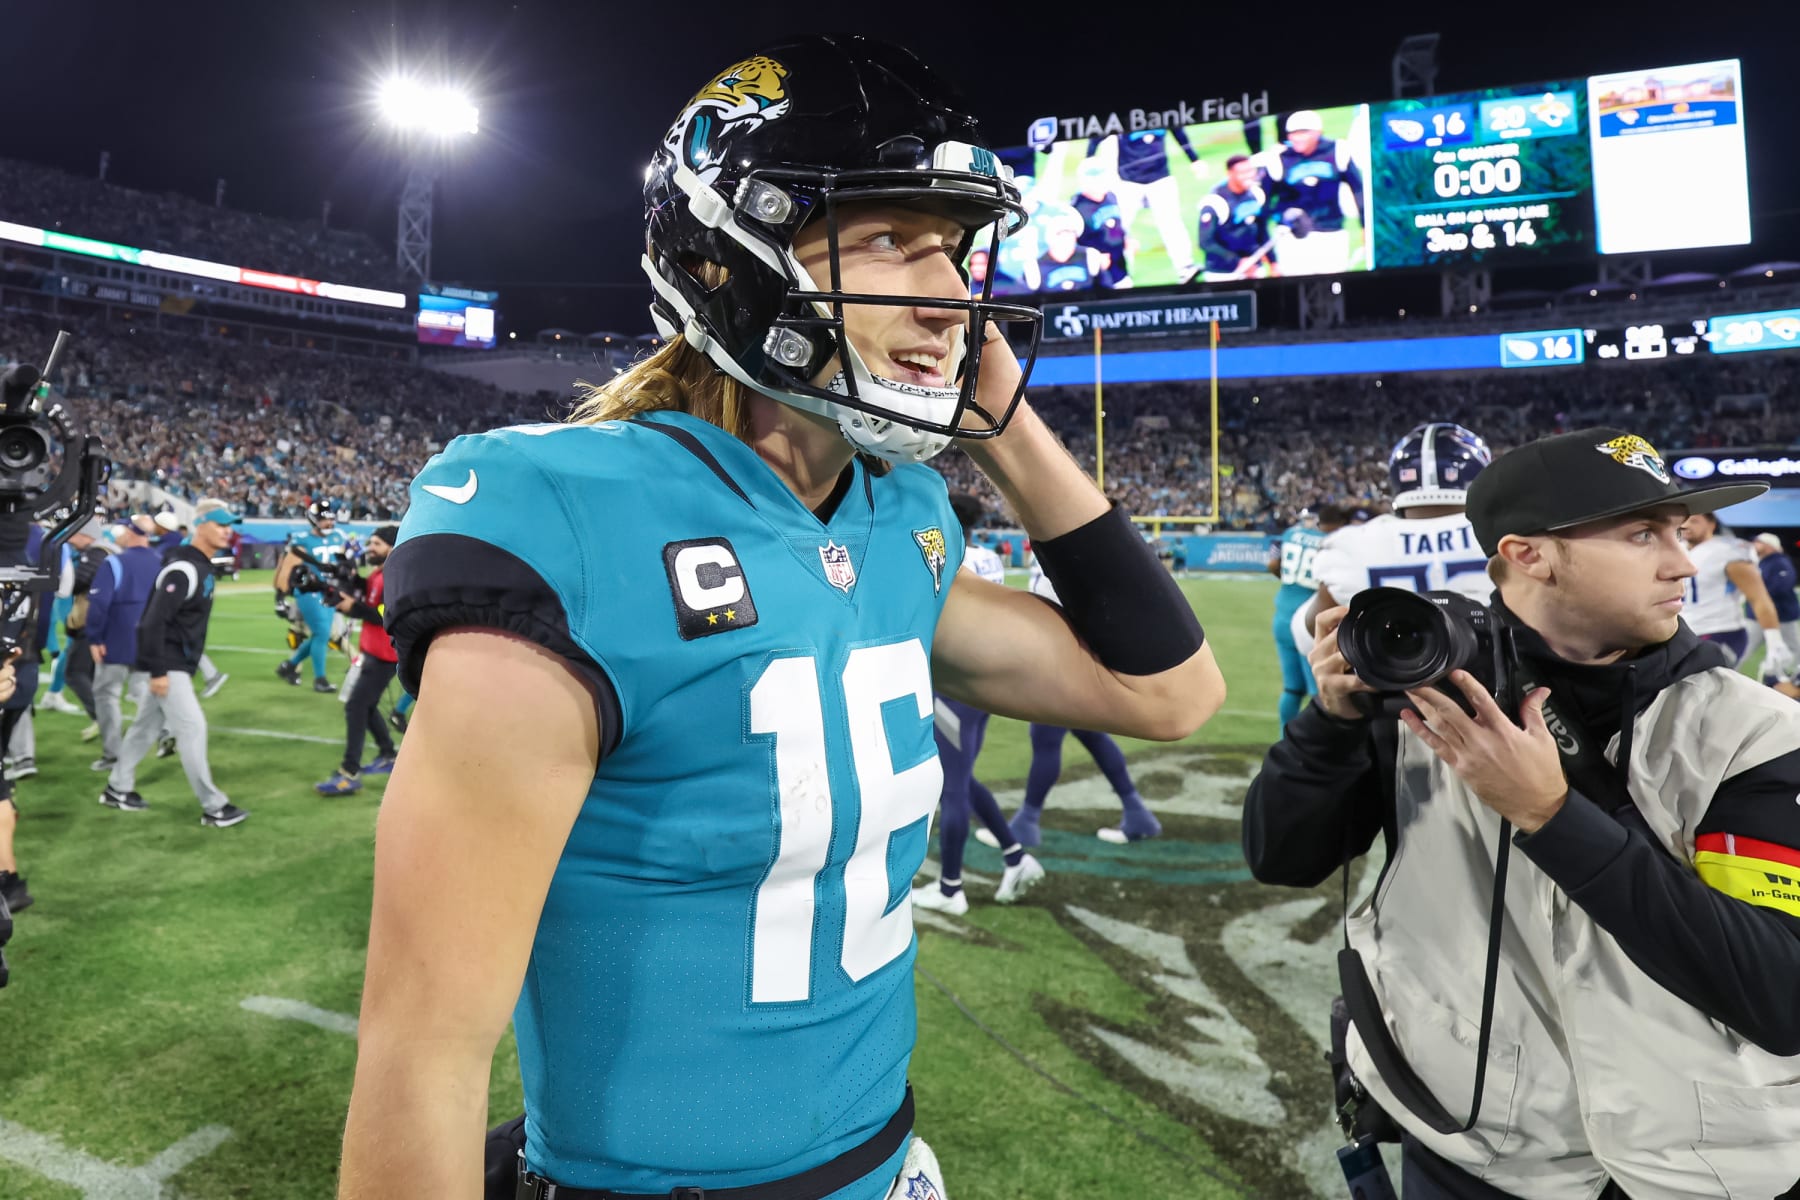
column 265, row 428
column 1289, row 444
column 271, row 428
column 178, row 224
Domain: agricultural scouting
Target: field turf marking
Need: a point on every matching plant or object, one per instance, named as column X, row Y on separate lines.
column 296, row 1010
column 96, row 1178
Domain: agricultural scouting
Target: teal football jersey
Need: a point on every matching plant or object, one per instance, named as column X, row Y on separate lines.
column 720, row 993
column 1299, row 547
column 327, row 548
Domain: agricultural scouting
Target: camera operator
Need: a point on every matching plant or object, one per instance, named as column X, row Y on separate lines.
column 21, row 544
column 362, row 712
column 1638, row 1011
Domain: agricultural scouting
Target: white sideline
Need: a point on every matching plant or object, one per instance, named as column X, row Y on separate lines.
column 276, row 733
column 295, row 1010
column 96, row 1178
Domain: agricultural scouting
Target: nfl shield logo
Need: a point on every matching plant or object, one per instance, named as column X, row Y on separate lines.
column 838, row 571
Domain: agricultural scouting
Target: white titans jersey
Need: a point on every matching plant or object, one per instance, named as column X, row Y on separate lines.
column 1040, row 584
column 1714, row 604
column 984, row 563
column 1434, row 555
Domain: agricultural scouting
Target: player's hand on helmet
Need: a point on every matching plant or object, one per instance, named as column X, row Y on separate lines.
column 1337, row 683
column 1000, row 374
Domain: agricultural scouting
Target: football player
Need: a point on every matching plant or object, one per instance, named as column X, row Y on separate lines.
column 1313, row 183
column 1425, row 545
column 959, row 731
column 1292, row 563
column 1234, row 224
column 1725, row 577
column 1145, row 180
column 326, row 544
column 1136, row 821
column 671, row 769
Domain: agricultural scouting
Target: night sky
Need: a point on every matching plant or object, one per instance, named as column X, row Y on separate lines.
column 275, row 96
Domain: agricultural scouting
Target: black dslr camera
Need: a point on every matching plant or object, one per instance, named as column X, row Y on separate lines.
column 1396, row 640
column 332, row 581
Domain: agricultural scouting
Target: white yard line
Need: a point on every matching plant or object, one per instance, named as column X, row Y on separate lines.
column 97, row 1179
column 276, row 733
column 295, row 1010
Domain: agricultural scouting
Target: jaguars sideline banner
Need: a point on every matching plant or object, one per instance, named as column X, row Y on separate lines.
column 1227, row 551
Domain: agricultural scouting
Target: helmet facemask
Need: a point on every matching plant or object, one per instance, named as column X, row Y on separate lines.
column 775, row 329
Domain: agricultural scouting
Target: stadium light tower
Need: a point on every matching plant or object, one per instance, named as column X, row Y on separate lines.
column 430, row 121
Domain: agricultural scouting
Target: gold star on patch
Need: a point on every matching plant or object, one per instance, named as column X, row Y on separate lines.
column 712, row 618
column 731, row 614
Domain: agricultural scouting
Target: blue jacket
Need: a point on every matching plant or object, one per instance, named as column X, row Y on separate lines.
column 1778, row 577
column 116, row 601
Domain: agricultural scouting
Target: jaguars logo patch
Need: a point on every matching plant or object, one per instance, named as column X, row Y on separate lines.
column 739, row 98
column 1633, row 451
column 931, row 545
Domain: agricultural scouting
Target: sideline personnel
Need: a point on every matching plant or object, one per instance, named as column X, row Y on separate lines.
column 1644, row 1029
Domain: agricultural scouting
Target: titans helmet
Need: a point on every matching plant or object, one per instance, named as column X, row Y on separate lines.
column 1435, row 464
column 784, row 138
column 320, row 511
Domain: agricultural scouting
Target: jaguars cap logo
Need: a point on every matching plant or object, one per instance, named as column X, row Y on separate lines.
column 1630, row 450
column 931, row 546
column 742, row 97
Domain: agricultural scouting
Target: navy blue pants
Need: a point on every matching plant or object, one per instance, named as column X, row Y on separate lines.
column 960, row 731
column 1046, row 762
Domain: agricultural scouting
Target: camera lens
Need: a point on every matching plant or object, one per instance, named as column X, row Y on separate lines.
column 1403, row 643
column 1395, row 639
column 22, row 448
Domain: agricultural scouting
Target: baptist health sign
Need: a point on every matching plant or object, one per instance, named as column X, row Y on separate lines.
column 1150, row 316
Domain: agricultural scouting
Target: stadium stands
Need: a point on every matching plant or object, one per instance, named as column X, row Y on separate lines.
column 270, row 427
column 53, row 199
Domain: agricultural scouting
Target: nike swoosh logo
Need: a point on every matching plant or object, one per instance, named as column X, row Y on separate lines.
column 455, row 495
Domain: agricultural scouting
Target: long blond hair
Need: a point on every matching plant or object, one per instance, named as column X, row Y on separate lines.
column 676, row 378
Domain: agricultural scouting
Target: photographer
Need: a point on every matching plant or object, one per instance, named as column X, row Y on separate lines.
column 1638, row 1010
column 362, row 712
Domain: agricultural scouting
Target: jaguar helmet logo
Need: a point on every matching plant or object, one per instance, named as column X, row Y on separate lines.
column 740, row 98
column 1633, row 451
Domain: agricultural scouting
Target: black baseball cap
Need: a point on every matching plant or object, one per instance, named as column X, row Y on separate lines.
column 1557, row 483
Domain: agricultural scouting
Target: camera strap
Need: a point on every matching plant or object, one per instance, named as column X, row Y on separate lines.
column 1585, row 765
column 1364, row 1006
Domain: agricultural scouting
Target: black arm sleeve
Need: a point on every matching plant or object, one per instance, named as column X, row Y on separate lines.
column 1734, row 961
column 442, row 580
column 1318, row 800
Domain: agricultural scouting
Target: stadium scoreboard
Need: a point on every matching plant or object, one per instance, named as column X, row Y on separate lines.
column 1489, row 176
column 1626, row 162
column 1734, row 333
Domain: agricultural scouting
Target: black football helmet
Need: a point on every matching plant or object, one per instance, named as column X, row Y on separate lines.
column 783, row 138
column 320, row 511
column 1435, row 464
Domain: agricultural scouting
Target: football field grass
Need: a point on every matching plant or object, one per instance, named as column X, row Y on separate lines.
column 1145, row 1024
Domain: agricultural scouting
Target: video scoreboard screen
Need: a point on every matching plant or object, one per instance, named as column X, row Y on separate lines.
column 453, row 316
column 1629, row 162
column 1499, row 175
